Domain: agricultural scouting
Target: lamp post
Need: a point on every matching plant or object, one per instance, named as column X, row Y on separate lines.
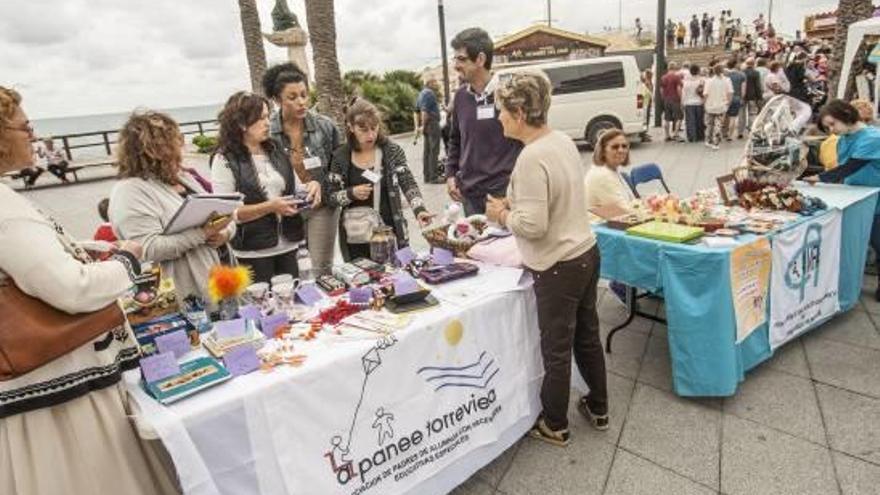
column 443, row 52
column 660, row 54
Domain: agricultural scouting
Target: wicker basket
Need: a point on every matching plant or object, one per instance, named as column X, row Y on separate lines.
column 439, row 238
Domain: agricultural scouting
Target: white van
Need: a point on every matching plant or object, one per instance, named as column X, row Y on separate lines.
column 593, row 94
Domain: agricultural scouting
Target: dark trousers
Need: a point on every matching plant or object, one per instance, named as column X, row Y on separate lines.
column 266, row 268
column 431, row 152
column 695, row 123
column 569, row 322
column 59, row 170
column 475, row 205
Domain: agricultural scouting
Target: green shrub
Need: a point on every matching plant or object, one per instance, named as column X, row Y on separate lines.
column 205, row 144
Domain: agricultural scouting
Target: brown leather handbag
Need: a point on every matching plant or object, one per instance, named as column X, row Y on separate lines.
column 33, row 333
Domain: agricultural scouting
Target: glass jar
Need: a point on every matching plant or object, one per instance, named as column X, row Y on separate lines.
column 383, row 245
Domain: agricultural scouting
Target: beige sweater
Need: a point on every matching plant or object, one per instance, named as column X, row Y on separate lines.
column 546, row 195
column 606, row 187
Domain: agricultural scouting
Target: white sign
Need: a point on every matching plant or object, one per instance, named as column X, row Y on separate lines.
column 805, row 277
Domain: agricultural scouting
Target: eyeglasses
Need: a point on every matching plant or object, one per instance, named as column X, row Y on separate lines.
column 619, row 146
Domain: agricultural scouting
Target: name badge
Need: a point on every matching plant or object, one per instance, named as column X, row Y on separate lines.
column 485, row 112
column 312, row 162
column 371, row 176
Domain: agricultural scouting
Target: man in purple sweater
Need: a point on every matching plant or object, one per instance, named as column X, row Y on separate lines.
column 480, row 158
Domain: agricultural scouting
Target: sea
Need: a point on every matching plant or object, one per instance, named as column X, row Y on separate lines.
column 54, row 127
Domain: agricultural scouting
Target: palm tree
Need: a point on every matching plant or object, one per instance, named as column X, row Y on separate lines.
column 848, row 12
column 322, row 31
column 253, row 42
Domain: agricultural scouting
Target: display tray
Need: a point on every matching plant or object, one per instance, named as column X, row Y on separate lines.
column 194, row 376
column 664, row 231
column 400, row 308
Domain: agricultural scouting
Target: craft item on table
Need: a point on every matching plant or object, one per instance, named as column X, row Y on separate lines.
column 309, row 294
column 269, row 324
column 460, row 236
column 153, row 297
column 664, row 231
column 351, row 274
column 710, row 224
column 670, row 208
column 176, row 342
column 284, row 279
column 497, row 251
column 775, row 153
column 193, row 377
column 225, row 285
column 360, row 295
column 727, row 232
column 376, row 321
column 404, row 284
column 146, row 333
column 195, row 313
column 404, row 256
column 250, row 312
column 753, row 195
column 241, row 360
column 331, row 285
column 442, row 256
column 159, row 366
column 447, row 273
column 284, row 296
column 342, row 308
column 453, row 212
column 218, row 347
column 373, row 269
column 383, row 244
column 279, row 352
column 230, row 329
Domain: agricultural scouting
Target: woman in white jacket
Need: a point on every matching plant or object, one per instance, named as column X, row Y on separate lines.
column 604, row 184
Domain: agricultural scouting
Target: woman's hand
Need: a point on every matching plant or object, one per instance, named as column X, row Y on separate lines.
column 213, row 227
column 314, row 189
column 812, row 180
column 218, row 239
column 362, row 191
column 283, row 206
column 495, row 207
column 132, row 247
column 424, row 218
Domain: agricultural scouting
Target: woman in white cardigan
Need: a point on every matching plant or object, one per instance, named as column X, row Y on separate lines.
column 152, row 187
column 63, row 426
column 604, row 184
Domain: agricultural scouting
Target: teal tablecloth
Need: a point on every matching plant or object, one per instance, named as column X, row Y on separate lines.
column 695, row 281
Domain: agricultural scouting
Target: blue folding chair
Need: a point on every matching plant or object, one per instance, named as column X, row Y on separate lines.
column 642, row 174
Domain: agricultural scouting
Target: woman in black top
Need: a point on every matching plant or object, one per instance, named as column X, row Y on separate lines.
column 354, row 175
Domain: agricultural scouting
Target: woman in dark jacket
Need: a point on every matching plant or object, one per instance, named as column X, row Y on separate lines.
column 354, row 177
column 270, row 226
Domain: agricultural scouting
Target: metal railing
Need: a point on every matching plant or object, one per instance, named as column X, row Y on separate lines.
column 106, row 139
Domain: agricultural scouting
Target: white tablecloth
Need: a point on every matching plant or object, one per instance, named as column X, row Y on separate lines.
column 418, row 412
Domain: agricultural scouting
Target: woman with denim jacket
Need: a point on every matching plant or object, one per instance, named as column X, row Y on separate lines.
column 309, row 140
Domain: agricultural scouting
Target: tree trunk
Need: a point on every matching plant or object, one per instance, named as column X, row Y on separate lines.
column 253, row 43
column 322, row 33
column 848, row 12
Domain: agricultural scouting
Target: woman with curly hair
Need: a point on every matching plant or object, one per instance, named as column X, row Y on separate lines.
column 63, row 425
column 152, row 188
column 270, row 226
column 309, row 139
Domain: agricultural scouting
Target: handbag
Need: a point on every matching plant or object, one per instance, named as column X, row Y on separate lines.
column 360, row 221
column 33, row 333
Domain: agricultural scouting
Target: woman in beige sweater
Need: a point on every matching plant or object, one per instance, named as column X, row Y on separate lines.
column 544, row 210
column 604, row 184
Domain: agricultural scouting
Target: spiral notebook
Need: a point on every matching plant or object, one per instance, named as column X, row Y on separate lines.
column 197, row 209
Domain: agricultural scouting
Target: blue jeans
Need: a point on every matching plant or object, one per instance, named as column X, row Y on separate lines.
column 695, row 123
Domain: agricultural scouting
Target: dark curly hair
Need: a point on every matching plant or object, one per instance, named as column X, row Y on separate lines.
column 280, row 75
column 841, row 111
column 241, row 111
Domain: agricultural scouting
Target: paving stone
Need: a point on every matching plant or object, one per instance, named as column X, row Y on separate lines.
column 756, row 460
column 852, row 422
column 844, row 365
column 853, row 327
column 620, row 391
column 632, row 475
column 493, row 472
column 676, row 433
column 781, row 401
column 627, row 349
column 790, row 358
column 549, row 470
column 856, row 477
column 473, row 486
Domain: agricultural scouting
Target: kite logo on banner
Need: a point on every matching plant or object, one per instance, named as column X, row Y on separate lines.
column 805, row 262
column 805, row 277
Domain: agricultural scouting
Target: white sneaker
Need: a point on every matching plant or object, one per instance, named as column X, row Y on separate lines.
column 715, row 147
column 708, row 144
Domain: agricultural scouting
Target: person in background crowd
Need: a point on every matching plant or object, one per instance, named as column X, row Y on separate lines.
column 775, row 83
column 670, row 91
column 858, row 156
column 647, row 89
column 732, row 118
column 369, row 153
column 670, row 33
column 151, row 189
column 544, row 210
column 761, row 66
column 56, row 162
column 105, row 230
column 759, row 24
column 680, row 33
column 761, row 45
column 480, row 156
column 638, row 28
column 64, row 427
column 754, row 95
column 719, row 94
column 796, row 73
column 427, row 119
column 695, row 31
column 693, row 89
column 309, row 140
column 33, row 172
column 270, row 227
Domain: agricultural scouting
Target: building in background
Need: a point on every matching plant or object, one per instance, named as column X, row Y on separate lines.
column 542, row 43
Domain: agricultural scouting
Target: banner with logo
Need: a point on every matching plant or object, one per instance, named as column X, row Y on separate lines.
column 750, row 285
column 409, row 405
column 805, row 277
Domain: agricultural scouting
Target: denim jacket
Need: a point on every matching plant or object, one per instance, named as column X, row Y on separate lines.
column 320, row 137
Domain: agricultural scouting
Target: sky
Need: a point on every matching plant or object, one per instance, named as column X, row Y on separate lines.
column 80, row 57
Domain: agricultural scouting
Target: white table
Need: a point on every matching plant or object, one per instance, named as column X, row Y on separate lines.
column 418, row 412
